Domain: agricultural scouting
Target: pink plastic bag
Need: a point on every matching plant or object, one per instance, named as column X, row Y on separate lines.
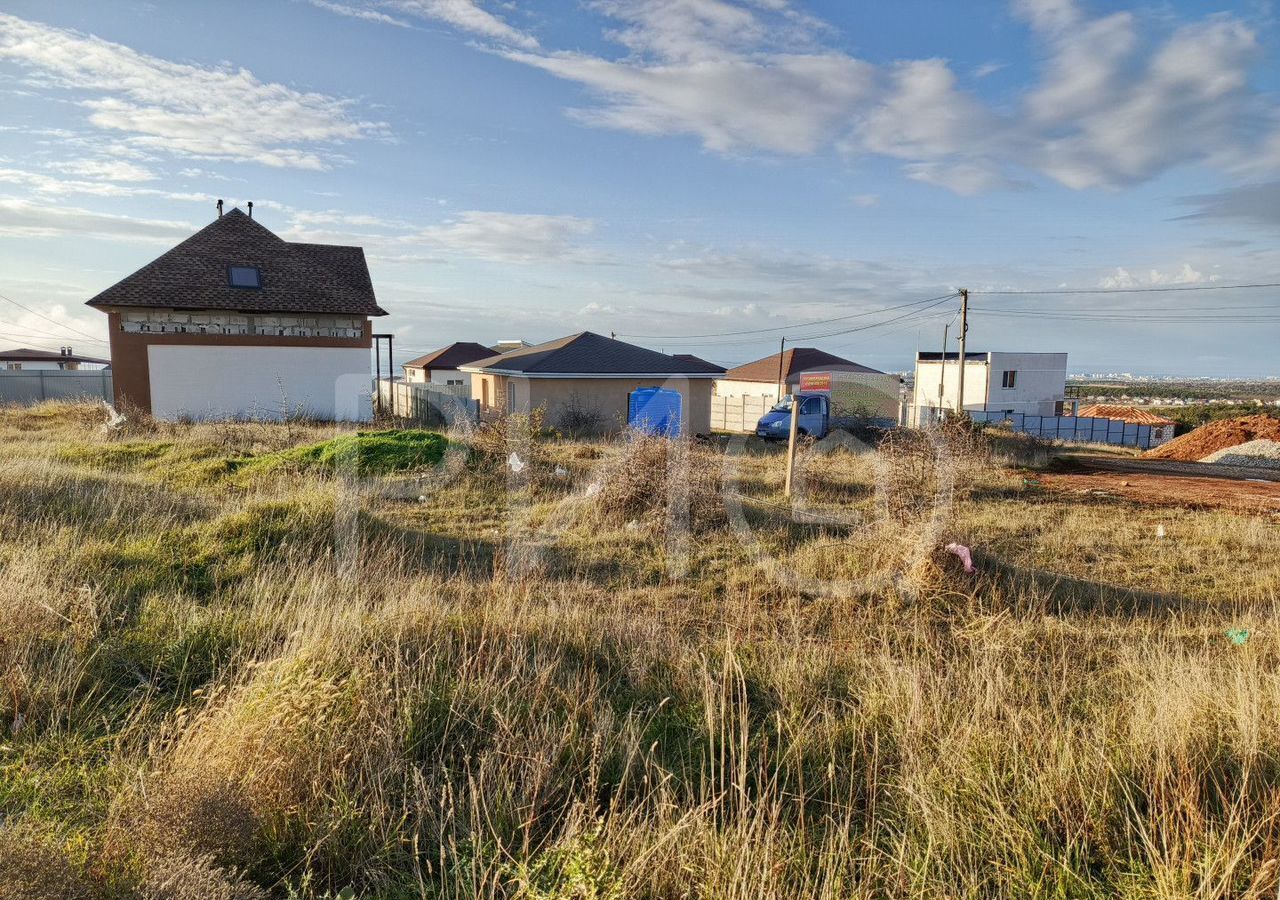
column 965, row 556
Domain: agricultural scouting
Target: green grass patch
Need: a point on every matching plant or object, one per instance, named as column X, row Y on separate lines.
column 122, row 455
column 362, row 453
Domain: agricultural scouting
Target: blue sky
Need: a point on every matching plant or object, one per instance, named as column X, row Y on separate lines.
column 671, row 168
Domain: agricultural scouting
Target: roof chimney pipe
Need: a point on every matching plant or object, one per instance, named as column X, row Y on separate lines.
column 219, row 207
column 250, row 209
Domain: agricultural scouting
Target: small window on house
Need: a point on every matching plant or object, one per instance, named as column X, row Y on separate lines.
column 1010, row 379
column 245, row 276
column 453, row 381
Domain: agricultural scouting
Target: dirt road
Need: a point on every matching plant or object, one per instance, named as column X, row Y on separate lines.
column 1166, row 483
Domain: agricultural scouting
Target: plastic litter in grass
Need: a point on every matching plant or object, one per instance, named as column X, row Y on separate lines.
column 965, row 556
column 1238, row 636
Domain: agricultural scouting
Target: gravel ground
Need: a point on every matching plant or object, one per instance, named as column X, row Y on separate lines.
column 1257, row 454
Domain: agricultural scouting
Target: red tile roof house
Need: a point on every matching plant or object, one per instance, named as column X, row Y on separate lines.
column 24, row 359
column 441, row 366
column 1162, row 429
column 587, row 376
column 236, row 322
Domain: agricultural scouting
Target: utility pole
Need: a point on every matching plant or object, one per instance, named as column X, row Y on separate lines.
column 942, row 368
column 964, row 331
column 782, row 351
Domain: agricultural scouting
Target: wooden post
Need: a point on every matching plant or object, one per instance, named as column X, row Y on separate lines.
column 791, row 444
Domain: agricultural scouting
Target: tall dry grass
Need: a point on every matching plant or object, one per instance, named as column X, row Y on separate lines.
column 202, row 698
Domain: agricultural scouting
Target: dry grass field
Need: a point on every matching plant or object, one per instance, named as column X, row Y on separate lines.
column 234, row 668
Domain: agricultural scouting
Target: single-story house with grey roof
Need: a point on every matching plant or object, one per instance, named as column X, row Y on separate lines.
column 584, row 381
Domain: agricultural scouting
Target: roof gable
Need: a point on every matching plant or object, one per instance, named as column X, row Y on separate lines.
column 456, row 354
column 586, row 354
column 296, row 277
column 794, row 361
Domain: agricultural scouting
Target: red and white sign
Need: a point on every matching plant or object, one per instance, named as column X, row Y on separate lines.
column 815, row 382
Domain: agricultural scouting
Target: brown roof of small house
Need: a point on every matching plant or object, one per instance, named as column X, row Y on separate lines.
column 587, row 354
column 794, row 361
column 1128, row 414
column 26, row 354
column 456, row 354
column 296, row 277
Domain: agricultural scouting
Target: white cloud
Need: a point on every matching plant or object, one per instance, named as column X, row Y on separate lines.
column 965, row 178
column 1107, row 116
column 103, row 169
column 1048, row 15
column 358, row 12
column 507, row 237
column 925, row 116
column 1186, row 274
column 466, row 14
column 1112, row 105
column 201, row 112
column 1251, row 204
column 23, row 218
column 791, row 103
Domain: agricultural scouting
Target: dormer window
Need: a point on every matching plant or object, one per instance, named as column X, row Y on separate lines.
column 244, row 276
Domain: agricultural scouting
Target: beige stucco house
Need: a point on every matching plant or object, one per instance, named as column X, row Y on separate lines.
column 582, row 382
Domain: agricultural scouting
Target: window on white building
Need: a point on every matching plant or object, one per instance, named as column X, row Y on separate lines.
column 1009, row 379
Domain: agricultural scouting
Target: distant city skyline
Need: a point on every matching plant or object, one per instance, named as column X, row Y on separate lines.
column 672, row 168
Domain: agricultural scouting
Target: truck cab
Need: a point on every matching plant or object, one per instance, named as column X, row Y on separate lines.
column 815, row 417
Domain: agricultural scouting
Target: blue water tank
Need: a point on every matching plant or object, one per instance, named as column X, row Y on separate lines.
column 655, row 410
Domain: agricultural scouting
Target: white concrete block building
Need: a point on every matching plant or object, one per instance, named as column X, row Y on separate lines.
column 1029, row 383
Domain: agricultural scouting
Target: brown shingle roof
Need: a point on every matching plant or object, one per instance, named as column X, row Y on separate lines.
column 456, row 354
column 794, row 361
column 587, row 354
column 300, row 278
column 1129, row 414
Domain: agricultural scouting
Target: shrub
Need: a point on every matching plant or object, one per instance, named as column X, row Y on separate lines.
column 32, row 868
column 652, row 476
column 184, row 877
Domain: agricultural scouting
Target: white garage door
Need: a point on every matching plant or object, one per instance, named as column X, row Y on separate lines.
column 218, row 382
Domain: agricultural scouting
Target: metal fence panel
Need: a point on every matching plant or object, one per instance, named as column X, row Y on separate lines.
column 34, row 385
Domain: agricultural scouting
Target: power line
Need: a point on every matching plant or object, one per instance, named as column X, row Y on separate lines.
column 1153, row 318
column 1146, row 290
column 46, row 318
column 785, row 327
column 939, row 302
column 28, row 331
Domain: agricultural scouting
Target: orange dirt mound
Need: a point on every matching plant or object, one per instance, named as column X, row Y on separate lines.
column 1215, row 436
